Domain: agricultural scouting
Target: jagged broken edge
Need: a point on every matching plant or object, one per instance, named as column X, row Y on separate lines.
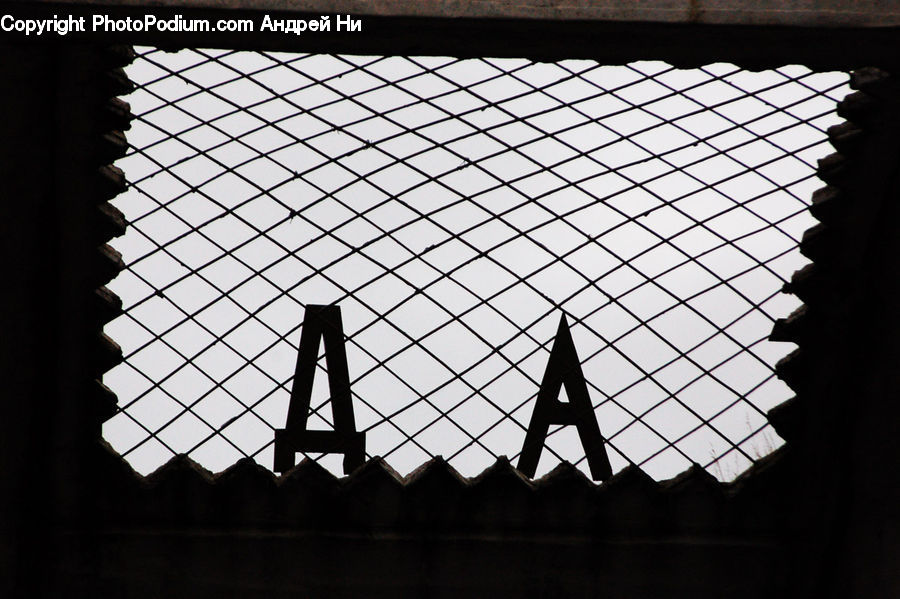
column 835, row 246
column 106, row 182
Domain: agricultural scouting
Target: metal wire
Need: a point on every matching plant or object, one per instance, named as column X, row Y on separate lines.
column 454, row 208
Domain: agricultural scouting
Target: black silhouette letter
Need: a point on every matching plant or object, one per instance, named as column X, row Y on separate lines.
column 320, row 322
column 564, row 368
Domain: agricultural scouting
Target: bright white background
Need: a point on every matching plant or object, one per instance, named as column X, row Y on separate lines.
column 492, row 195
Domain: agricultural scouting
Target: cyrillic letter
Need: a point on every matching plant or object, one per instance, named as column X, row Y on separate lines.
column 320, row 322
column 349, row 23
column 564, row 368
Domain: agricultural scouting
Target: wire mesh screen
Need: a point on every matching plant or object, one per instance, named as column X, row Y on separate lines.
column 454, row 209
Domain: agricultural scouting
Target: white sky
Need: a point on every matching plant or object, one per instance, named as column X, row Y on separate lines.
column 358, row 180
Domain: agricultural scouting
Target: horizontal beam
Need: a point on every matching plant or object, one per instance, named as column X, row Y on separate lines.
column 681, row 44
column 802, row 13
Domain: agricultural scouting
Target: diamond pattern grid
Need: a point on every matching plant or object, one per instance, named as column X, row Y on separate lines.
column 454, row 209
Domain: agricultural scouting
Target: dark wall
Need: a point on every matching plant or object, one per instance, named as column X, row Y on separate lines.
column 55, row 113
column 24, row 295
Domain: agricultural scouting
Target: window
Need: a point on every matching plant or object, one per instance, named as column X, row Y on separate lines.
column 454, row 210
